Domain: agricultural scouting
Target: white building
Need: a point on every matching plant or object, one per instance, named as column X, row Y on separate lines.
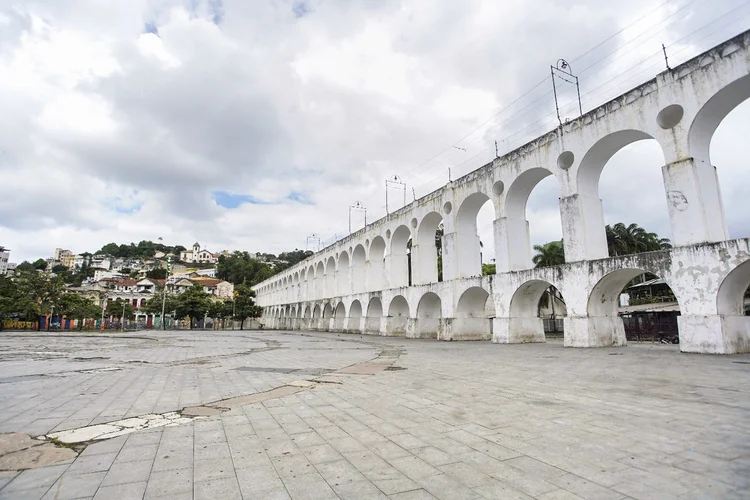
column 4, row 256
column 197, row 255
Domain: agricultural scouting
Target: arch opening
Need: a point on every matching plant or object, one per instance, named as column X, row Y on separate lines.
column 728, row 150
column 474, row 313
column 320, row 280
column 330, row 277
column 530, row 203
column 633, row 305
column 427, row 256
column 400, row 257
column 308, row 313
column 342, row 274
column 374, row 314
column 471, row 252
column 733, row 298
column 310, row 283
column 316, row 312
column 358, row 269
column 398, row 316
column 537, row 309
column 327, row 311
column 355, row 315
column 339, row 315
column 377, row 264
column 429, row 313
column 621, row 167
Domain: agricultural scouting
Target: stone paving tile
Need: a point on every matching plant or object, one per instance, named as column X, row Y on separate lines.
column 463, row 420
column 72, row 486
column 128, row 491
column 128, row 472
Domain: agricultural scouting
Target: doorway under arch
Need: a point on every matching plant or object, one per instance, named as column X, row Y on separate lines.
column 398, row 316
column 474, row 314
column 632, row 304
column 355, row 316
column 526, row 322
column 374, row 315
column 339, row 315
column 429, row 312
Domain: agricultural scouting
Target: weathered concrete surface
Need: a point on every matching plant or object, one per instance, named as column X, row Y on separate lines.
column 462, row 420
column 352, row 285
column 20, row 451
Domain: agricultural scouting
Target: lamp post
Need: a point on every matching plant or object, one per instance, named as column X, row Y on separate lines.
column 104, row 304
column 164, row 292
column 122, row 318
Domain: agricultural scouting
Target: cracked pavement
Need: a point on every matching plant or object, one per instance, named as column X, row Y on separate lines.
column 322, row 415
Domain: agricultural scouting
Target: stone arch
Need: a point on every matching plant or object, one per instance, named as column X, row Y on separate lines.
column 342, row 274
column 712, row 113
column 474, row 311
column 429, row 312
column 399, row 257
column 355, row 315
column 330, row 277
column 473, row 303
column 398, row 316
column 355, row 309
column 605, row 323
column 425, row 262
column 377, row 264
column 730, row 300
column 358, row 269
column 316, row 312
column 320, row 280
column 339, row 315
column 730, row 303
column 374, row 314
column 327, row 311
column 295, row 283
column 308, row 312
column 310, row 283
column 525, row 323
column 468, row 245
column 516, row 247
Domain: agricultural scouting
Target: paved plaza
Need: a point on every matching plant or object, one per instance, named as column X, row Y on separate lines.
column 275, row 415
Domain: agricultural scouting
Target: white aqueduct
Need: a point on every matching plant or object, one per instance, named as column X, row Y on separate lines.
column 361, row 283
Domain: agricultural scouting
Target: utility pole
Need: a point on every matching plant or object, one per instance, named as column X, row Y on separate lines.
column 396, row 181
column 122, row 319
column 563, row 68
column 164, row 292
column 104, row 303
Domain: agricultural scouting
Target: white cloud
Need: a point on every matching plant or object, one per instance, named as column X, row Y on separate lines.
column 122, row 119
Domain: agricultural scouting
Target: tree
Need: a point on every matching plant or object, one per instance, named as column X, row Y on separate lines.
column 488, row 269
column 115, row 308
column 40, row 264
column 157, row 274
column 154, row 304
column 220, row 309
column 626, row 240
column 241, row 268
column 549, row 254
column 59, row 268
column 77, row 307
column 25, row 266
column 244, row 304
column 193, row 303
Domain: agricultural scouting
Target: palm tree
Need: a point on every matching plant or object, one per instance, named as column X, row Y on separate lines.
column 626, row 240
column 549, row 254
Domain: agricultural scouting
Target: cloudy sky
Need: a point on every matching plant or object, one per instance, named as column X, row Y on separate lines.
column 251, row 125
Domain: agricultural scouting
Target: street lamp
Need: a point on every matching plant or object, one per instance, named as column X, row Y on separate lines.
column 164, row 292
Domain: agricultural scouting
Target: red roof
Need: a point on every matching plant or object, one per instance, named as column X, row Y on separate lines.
column 206, row 281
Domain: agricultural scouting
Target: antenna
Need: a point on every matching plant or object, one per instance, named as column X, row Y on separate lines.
column 395, row 181
column 358, row 206
column 666, row 59
column 563, row 68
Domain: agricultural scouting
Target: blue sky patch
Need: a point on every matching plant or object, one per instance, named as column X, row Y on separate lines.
column 230, row 200
column 300, row 8
column 150, row 27
column 298, row 197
